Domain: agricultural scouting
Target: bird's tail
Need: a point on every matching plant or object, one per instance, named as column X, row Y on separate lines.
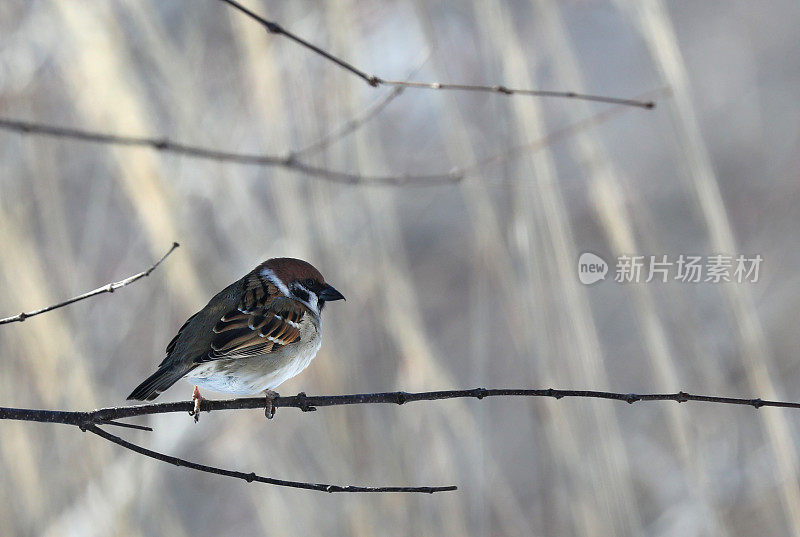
column 156, row 383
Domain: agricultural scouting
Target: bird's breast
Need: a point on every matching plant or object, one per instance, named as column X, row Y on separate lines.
column 251, row 375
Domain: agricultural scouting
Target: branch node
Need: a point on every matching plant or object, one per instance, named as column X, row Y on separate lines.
column 303, row 404
column 373, row 81
column 631, row 398
column 96, row 420
column 160, row 144
column 105, row 288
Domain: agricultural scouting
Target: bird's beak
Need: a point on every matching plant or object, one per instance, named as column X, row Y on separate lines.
column 328, row 293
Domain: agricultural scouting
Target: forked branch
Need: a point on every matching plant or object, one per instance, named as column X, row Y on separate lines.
column 374, row 81
column 91, row 420
column 292, row 162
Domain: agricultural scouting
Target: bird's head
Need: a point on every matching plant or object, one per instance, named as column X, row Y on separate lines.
column 299, row 279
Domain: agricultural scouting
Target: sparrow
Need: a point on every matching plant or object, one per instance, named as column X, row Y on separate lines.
column 251, row 337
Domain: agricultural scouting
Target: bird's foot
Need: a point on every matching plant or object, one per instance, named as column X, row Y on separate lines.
column 269, row 409
column 196, row 399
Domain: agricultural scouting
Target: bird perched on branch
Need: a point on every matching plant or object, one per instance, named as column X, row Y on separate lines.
column 253, row 335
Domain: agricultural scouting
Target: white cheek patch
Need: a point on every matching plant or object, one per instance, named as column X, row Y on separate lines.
column 270, row 275
column 313, row 302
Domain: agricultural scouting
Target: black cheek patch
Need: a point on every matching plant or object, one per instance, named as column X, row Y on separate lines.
column 301, row 294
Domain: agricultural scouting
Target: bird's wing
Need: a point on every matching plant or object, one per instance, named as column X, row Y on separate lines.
column 174, row 341
column 264, row 321
column 171, row 344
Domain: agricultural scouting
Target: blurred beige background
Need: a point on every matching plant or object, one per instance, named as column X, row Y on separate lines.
column 454, row 286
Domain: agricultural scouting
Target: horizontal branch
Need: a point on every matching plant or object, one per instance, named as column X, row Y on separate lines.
column 374, row 81
column 290, row 161
column 108, row 288
column 309, row 403
column 165, row 145
column 91, row 420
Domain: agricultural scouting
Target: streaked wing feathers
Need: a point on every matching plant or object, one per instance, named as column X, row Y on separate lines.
column 263, row 321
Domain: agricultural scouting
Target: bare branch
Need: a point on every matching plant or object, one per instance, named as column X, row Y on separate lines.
column 510, row 91
column 349, row 126
column 250, row 477
column 89, row 421
column 456, row 175
column 165, row 145
column 375, row 81
column 108, row 288
column 127, row 425
column 554, row 136
column 309, row 403
column 355, row 123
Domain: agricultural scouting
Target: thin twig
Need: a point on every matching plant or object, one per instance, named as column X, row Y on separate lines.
column 290, row 162
column 108, row 288
column 165, row 145
column 375, row 81
column 355, row 123
column 349, row 126
column 554, row 136
column 250, row 477
column 127, row 425
column 510, row 91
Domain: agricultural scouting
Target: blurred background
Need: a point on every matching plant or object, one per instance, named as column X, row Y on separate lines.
column 450, row 286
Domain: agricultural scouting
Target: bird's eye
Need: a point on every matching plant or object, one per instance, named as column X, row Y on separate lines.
column 309, row 282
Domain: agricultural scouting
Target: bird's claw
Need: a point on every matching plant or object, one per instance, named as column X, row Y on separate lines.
column 197, row 399
column 269, row 408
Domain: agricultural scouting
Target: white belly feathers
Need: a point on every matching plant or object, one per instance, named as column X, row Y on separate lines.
column 252, row 375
